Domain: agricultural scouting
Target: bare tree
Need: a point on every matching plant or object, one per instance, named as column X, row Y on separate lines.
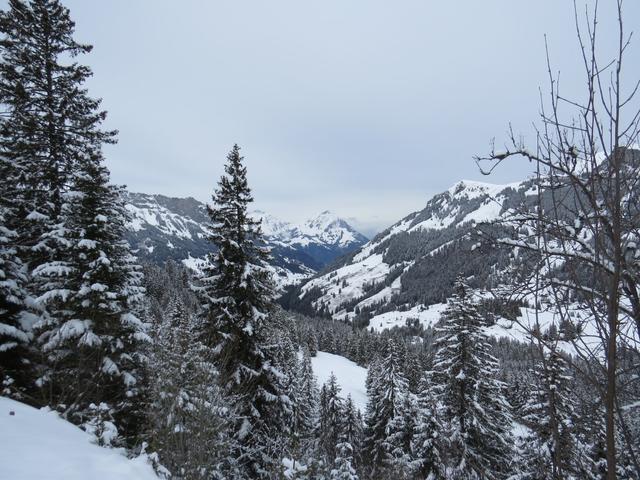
column 585, row 227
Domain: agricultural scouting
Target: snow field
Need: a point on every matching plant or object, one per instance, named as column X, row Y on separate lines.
column 351, row 377
column 39, row 445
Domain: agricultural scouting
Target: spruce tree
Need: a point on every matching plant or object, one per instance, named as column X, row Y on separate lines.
column 190, row 420
column 344, row 469
column 305, row 413
column 386, row 389
column 427, row 444
column 465, row 382
column 237, row 297
column 352, row 432
column 554, row 449
column 331, row 418
column 93, row 344
column 49, row 124
column 400, row 435
column 14, row 337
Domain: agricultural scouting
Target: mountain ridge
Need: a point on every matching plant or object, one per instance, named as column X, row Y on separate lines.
column 414, row 261
column 164, row 228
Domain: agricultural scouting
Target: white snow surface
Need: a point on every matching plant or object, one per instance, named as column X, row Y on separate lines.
column 474, row 189
column 517, row 330
column 39, row 445
column 281, row 276
column 348, row 282
column 351, row 377
column 427, row 316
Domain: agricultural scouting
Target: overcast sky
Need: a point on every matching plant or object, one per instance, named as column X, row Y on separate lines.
column 363, row 107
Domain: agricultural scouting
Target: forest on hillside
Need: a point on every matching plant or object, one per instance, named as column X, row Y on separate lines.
column 209, row 374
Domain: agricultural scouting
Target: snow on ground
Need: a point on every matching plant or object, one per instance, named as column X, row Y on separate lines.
column 436, row 222
column 281, row 276
column 427, row 316
column 350, row 376
column 37, row 444
column 347, row 283
column 503, row 328
column 488, row 211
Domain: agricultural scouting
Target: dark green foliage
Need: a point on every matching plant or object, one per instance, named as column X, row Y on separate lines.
column 240, row 327
column 465, row 383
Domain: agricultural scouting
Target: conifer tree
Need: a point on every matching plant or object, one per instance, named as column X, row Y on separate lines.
column 49, row 124
column 465, row 382
column 386, row 389
column 305, row 413
column 352, row 432
column 237, row 297
column 93, row 344
column 344, row 469
column 331, row 420
column 14, row 338
column 280, row 367
column 189, row 418
column 554, row 450
column 427, row 443
column 401, row 430
column 348, row 443
column 413, row 370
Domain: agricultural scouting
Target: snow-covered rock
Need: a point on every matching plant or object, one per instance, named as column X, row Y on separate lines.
column 39, row 445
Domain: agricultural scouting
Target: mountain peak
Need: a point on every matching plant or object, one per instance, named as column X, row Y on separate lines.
column 162, row 228
column 332, row 230
column 474, row 188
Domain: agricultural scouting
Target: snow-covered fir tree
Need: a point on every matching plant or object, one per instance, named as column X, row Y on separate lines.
column 14, row 337
column 237, row 297
column 400, row 437
column 344, row 464
column 280, row 367
column 92, row 340
column 190, row 419
column 50, row 123
column 68, row 222
column 465, row 381
column 553, row 450
column 427, row 444
column 352, row 432
column 386, row 390
column 305, row 410
column 331, row 420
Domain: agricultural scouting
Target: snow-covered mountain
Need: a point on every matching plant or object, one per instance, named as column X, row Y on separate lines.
column 414, row 262
column 163, row 228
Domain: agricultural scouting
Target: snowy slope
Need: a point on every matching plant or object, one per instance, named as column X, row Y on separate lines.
column 351, row 377
column 516, row 329
column 162, row 228
column 408, row 253
column 38, row 445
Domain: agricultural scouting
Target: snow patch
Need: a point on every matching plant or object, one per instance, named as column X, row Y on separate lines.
column 38, row 444
column 350, row 376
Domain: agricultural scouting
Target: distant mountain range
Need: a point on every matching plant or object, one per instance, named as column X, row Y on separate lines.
column 163, row 228
column 413, row 263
